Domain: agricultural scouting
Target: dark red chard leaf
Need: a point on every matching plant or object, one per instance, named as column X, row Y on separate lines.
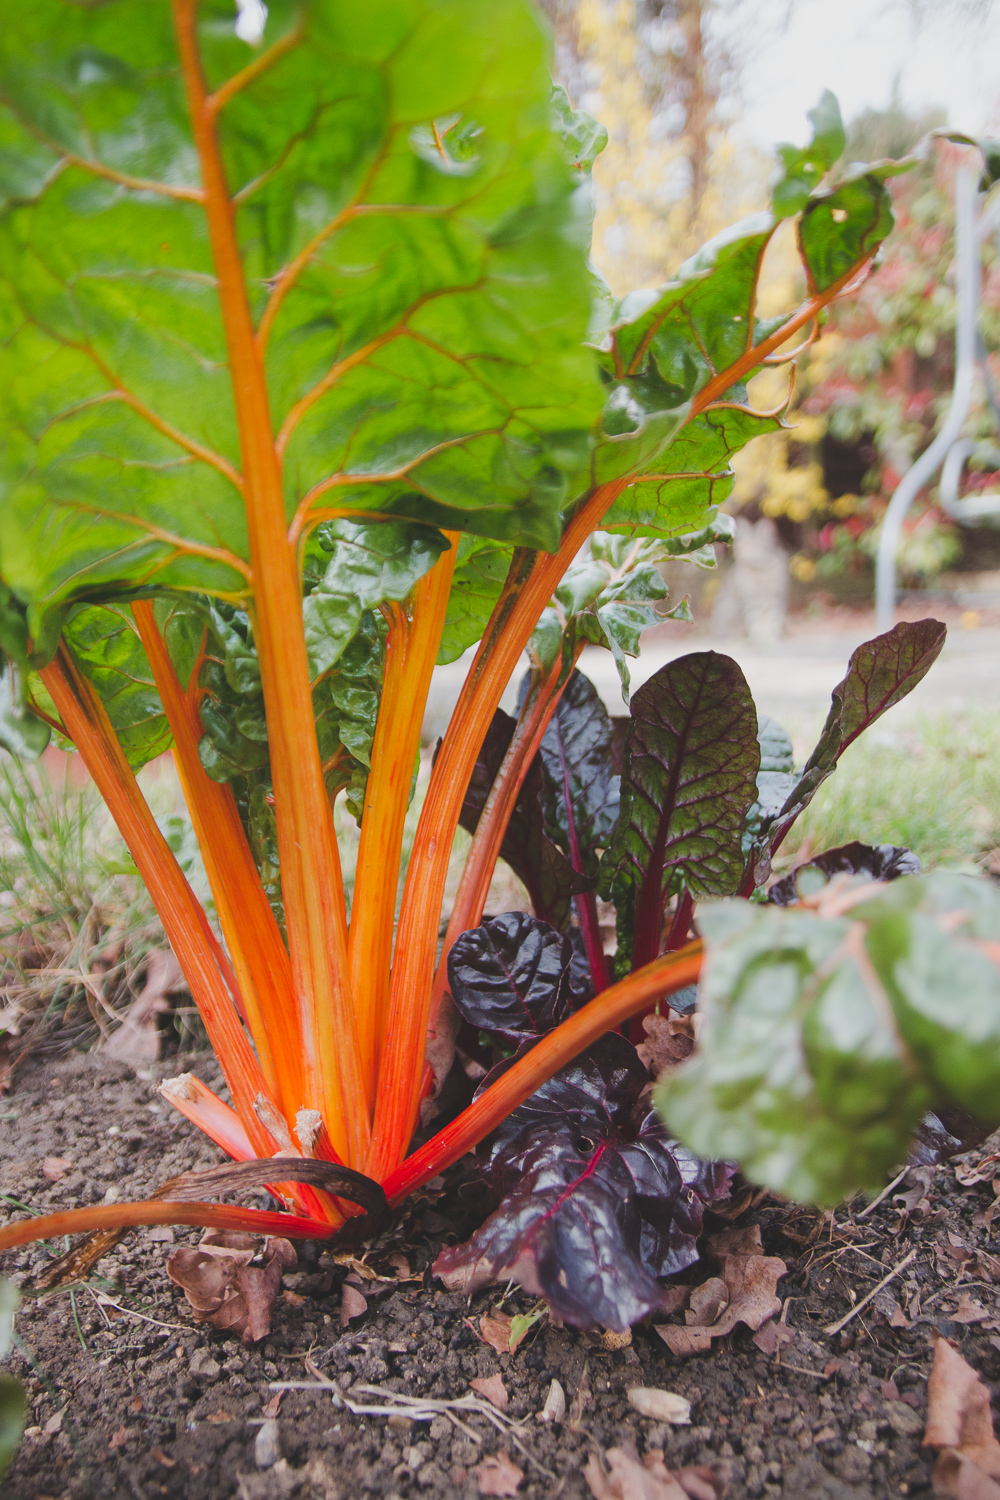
column 598, row 1204
column 880, row 674
column 580, row 794
column 874, row 861
column 688, row 780
column 543, row 869
column 515, row 977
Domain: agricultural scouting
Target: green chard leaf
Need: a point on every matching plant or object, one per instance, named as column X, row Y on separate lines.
column 107, row 649
column 426, row 361
column 480, row 571
column 803, row 167
column 688, row 778
column 828, row 1032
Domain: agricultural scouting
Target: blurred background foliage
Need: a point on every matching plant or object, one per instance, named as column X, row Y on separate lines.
column 665, row 77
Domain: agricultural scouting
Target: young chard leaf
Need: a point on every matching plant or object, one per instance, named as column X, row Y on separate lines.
column 826, row 1037
column 689, row 777
column 540, row 865
column 516, row 977
column 880, row 674
column 597, row 1205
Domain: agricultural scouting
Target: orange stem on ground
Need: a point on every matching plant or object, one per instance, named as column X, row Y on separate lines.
column 665, row 975
column 196, row 1102
column 536, row 715
column 255, row 944
column 411, row 651
column 184, row 921
column 161, row 1211
column 311, row 878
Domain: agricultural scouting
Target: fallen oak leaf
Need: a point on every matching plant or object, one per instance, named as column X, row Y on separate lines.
column 498, row 1475
column 960, row 1425
column 224, row 1289
column 968, row 1310
column 751, row 1282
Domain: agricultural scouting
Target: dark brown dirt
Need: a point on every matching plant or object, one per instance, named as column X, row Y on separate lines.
column 142, row 1403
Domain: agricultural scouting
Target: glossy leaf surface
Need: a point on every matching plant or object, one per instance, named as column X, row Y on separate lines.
column 688, row 779
column 596, row 1206
column 581, row 788
column 541, row 866
column 515, row 977
column 871, row 861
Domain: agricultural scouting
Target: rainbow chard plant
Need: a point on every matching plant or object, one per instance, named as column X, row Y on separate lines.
column 306, row 386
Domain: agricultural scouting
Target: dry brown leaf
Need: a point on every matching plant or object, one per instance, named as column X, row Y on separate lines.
column 494, row 1329
column 498, row 1475
column 742, row 1240
column 629, row 1478
column 960, row 1425
column 118, row 1438
column 771, row 1336
column 707, row 1302
column 669, row 1040
column 493, row 1388
column 982, row 1169
column 224, row 1289
column 751, row 1284
column 352, row 1304
column 55, row 1167
column 555, row 1404
column 138, row 1037
column 968, row 1310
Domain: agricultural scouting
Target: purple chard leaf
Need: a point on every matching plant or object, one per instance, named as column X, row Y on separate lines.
column 546, row 873
column 880, row 674
column 688, row 780
column 516, row 977
column 599, row 1202
column 873, row 861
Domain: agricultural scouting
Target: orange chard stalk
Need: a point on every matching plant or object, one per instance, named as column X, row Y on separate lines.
column 664, row 976
column 161, row 1211
column 530, row 585
column 312, row 883
column 252, row 937
column 536, row 715
column 411, row 651
column 184, row 922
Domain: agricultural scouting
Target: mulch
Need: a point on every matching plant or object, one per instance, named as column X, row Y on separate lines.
column 128, row 1397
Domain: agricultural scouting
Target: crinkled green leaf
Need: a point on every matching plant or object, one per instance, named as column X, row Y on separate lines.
column 824, row 1037
column 21, row 731
column 841, row 226
column 107, row 649
column 688, row 779
column 775, row 745
column 802, row 167
column 367, row 564
column 434, row 335
column 480, row 571
column 583, row 137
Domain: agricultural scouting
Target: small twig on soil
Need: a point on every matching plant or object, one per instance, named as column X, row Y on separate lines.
column 420, row 1408
column 103, row 1300
column 801, row 1370
column 842, row 1322
column 883, row 1194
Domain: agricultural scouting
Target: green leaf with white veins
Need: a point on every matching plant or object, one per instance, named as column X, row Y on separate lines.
column 414, row 246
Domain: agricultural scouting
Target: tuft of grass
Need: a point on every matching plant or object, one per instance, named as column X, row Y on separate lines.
column 929, row 782
column 76, row 924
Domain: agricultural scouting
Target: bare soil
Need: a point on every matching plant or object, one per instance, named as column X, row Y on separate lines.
column 137, row 1401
